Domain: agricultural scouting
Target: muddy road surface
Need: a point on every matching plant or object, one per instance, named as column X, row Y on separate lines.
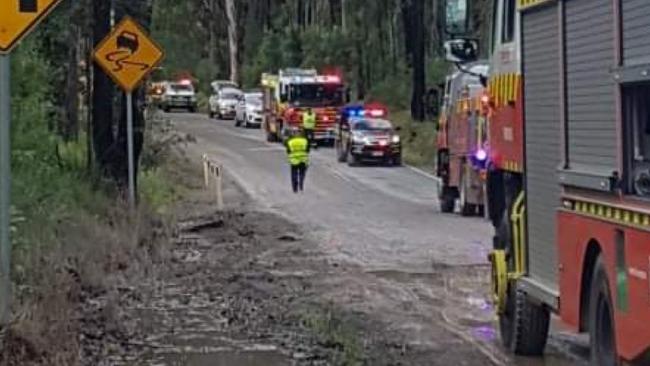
column 361, row 269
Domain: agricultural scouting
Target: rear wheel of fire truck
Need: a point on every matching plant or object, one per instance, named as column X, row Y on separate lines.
column 601, row 319
column 466, row 208
column 523, row 324
column 447, row 200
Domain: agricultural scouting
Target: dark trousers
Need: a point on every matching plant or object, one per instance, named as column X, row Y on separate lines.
column 298, row 173
column 309, row 134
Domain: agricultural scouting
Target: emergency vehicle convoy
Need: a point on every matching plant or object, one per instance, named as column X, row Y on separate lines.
column 291, row 91
column 569, row 160
column 461, row 142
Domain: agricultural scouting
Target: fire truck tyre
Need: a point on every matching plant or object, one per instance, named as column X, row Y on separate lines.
column 447, row 200
column 397, row 160
column 524, row 325
column 601, row 319
column 481, row 210
column 466, row 208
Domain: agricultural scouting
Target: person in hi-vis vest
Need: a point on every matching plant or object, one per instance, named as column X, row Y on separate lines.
column 298, row 153
column 309, row 124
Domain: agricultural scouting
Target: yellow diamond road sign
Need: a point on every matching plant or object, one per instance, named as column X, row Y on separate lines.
column 19, row 17
column 128, row 55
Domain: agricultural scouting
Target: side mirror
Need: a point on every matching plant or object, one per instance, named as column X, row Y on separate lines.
column 457, row 17
column 461, row 50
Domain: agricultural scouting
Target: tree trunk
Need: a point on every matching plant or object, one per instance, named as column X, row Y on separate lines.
column 102, row 98
column 233, row 38
column 418, row 59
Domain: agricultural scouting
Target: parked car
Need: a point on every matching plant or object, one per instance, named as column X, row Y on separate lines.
column 249, row 110
column 179, row 95
column 222, row 104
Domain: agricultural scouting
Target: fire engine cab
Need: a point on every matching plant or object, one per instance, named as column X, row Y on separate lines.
column 569, row 169
column 289, row 93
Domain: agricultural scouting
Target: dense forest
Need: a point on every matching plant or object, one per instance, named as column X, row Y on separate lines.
column 388, row 49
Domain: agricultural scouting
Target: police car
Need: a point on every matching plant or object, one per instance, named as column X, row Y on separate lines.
column 365, row 135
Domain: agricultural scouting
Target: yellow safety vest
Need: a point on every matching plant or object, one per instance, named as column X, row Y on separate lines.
column 298, row 150
column 309, row 120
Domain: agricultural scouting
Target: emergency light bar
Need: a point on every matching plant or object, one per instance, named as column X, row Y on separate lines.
column 362, row 112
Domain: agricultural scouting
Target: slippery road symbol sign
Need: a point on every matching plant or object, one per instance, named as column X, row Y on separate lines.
column 19, row 17
column 128, row 55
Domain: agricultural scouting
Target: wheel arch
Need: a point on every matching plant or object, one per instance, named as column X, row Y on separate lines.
column 592, row 252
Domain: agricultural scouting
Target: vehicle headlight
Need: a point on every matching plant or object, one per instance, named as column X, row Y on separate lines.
column 396, row 139
column 358, row 138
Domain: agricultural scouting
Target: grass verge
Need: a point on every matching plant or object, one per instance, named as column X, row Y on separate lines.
column 335, row 333
column 418, row 140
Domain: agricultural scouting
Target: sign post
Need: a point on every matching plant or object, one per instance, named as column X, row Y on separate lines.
column 129, row 143
column 128, row 55
column 5, row 188
column 17, row 19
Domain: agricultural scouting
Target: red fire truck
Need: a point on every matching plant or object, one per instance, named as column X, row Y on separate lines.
column 461, row 142
column 569, row 182
column 291, row 91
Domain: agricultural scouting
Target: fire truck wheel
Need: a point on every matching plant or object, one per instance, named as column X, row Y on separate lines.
column 601, row 319
column 524, row 324
column 466, row 208
column 447, row 200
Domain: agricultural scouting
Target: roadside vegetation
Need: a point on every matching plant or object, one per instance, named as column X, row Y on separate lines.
column 73, row 236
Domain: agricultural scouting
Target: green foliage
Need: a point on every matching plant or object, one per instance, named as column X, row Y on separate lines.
column 156, row 190
column 418, row 140
column 338, row 334
column 46, row 190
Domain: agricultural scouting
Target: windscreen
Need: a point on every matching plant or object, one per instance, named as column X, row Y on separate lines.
column 254, row 99
column 181, row 87
column 230, row 96
column 372, row 125
column 316, row 95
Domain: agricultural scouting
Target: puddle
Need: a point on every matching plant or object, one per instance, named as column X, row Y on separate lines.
column 224, row 358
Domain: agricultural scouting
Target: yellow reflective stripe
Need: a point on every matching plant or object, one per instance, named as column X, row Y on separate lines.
column 616, row 215
column 525, row 4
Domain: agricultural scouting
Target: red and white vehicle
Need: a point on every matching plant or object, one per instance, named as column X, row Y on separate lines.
column 289, row 93
column 569, row 178
column 462, row 138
